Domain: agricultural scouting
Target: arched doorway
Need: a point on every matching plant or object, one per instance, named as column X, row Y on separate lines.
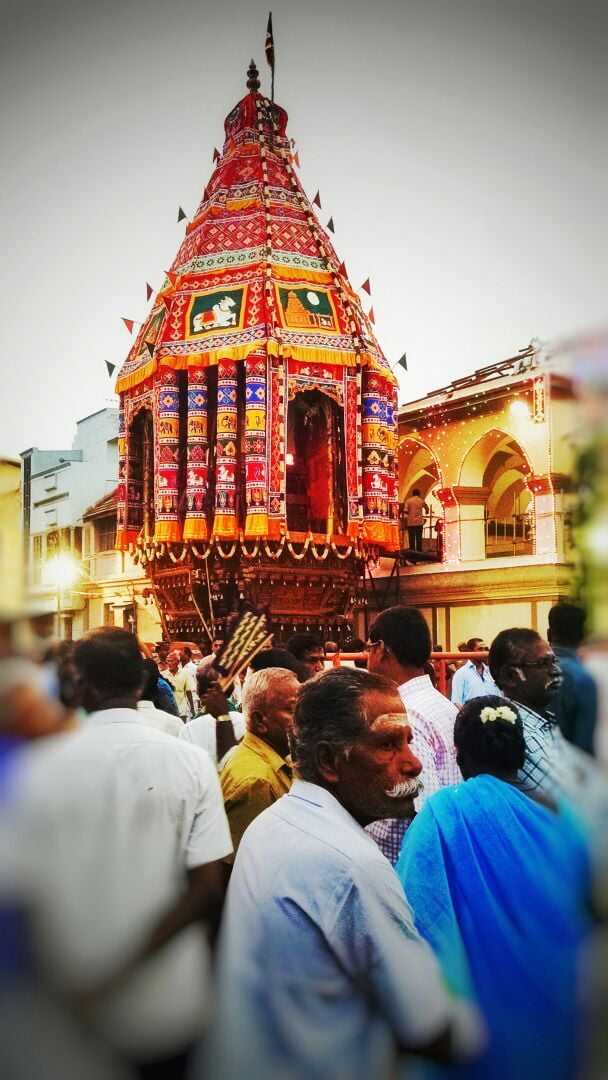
column 316, row 482
column 498, row 466
column 419, row 469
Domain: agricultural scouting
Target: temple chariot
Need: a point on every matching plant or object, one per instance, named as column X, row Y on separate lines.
column 258, row 413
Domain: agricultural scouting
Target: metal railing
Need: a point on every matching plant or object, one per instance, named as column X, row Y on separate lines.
column 514, row 531
column 439, row 660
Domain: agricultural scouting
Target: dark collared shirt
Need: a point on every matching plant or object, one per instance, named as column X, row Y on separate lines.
column 576, row 707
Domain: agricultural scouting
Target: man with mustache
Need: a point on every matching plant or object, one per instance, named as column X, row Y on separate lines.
column 525, row 668
column 322, row 972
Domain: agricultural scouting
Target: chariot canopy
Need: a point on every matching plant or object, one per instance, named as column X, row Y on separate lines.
column 258, row 413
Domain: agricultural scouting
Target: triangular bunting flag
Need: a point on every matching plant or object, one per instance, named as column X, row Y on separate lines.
column 330, row 225
column 173, row 278
column 402, row 361
column 216, row 155
column 296, row 159
column 166, row 301
column 181, row 214
column 150, row 347
column 129, row 323
column 371, row 316
column 149, row 290
column 366, row 285
column 342, row 269
column 111, row 368
column 317, row 200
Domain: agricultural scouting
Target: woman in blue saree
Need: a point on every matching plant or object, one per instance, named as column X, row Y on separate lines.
column 499, row 886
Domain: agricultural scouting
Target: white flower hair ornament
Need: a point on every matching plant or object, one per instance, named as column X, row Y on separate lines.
column 503, row 712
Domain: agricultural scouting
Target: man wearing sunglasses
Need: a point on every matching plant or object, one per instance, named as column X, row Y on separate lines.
column 525, row 668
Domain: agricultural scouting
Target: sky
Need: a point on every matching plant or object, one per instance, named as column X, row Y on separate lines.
column 459, row 145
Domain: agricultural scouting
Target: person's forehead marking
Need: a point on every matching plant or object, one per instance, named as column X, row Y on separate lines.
column 392, row 718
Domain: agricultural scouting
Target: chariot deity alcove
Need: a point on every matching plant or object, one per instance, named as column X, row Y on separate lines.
column 315, row 464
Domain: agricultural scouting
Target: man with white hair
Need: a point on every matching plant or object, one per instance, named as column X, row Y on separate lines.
column 259, row 771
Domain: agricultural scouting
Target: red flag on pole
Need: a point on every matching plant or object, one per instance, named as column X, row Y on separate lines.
column 216, row 155
column 129, row 323
column 366, row 285
column 296, row 159
column 149, row 291
column 317, row 199
column 269, row 50
column 173, row 278
column 342, row 269
column 371, row 316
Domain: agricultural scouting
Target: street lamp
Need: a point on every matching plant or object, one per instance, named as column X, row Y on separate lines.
column 63, row 571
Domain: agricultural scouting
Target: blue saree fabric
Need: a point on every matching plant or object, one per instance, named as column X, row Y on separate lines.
column 499, row 887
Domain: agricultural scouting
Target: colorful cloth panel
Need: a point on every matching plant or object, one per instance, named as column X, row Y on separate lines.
column 393, row 463
column 225, row 523
column 166, row 493
column 378, row 456
column 122, row 537
column 352, row 438
column 256, row 465
column 195, row 525
column 275, row 427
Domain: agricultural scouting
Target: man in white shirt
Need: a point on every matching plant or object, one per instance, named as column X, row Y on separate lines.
column 183, row 683
column 399, row 648
column 121, row 835
column 321, row 970
column 473, row 679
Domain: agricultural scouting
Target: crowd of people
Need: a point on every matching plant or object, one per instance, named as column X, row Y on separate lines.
column 322, row 871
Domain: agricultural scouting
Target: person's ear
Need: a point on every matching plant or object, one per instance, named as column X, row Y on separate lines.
column 512, row 675
column 328, row 760
column 257, row 722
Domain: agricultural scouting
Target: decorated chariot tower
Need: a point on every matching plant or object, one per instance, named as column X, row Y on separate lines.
column 258, row 414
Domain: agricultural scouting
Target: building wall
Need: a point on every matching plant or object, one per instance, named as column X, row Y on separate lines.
column 117, row 591
column 57, row 487
column 11, row 539
column 446, row 445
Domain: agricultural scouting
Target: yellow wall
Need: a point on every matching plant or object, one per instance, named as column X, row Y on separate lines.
column 11, row 539
column 486, row 620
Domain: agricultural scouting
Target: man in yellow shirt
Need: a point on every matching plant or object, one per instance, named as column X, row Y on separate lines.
column 259, row 771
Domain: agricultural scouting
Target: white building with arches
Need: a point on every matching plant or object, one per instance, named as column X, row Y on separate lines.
column 492, row 455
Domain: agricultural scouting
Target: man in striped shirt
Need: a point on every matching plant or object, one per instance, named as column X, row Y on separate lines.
column 399, row 647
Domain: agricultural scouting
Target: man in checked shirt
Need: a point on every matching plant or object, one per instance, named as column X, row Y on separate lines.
column 525, row 668
column 399, row 647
